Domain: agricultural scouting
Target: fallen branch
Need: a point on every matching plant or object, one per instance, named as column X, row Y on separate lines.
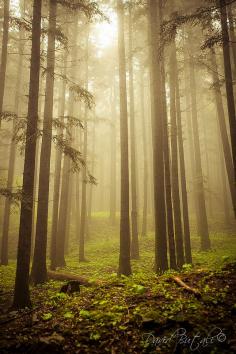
column 186, row 287
column 82, row 280
column 68, row 276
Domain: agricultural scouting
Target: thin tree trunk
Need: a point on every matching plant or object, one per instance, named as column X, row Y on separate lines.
column 78, row 209
column 39, row 267
column 113, row 158
column 161, row 261
column 57, row 176
column 223, row 130
column 124, row 257
column 84, row 215
column 145, row 157
column 187, row 241
column 174, row 162
column 168, row 188
column 63, row 209
column 70, row 182
column 232, row 33
column 11, row 166
column 189, row 134
column 223, row 176
column 228, row 81
column 200, row 197
column 63, row 205
column 37, row 161
column 3, row 65
column 134, row 212
column 83, row 219
column 21, row 292
column 90, row 199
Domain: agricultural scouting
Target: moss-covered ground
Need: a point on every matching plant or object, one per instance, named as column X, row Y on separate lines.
column 144, row 313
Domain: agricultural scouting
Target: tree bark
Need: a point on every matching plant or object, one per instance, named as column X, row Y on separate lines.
column 174, row 162
column 91, row 187
column 168, row 188
column 57, row 173
column 124, row 257
column 39, row 267
column 21, row 292
column 161, row 262
column 228, row 81
column 202, row 223
column 187, row 241
column 84, row 214
column 232, row 33
column 11, row 166
column 145, row 156
column 63, row 205
column 83, row 220
column 3, row 65
column 134, row 212
column 223, row 130
column 113, row 158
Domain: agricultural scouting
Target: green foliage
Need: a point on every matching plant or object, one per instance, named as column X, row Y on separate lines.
column 85, row 313
column 8, row 116
column 14, row 196
column 69, row 315
column 47, row 316
column 121, row 309
column 139, row 289
column 89, row 8
column 81, row 94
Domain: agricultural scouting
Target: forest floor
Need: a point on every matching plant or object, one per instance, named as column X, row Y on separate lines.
column 144, row 313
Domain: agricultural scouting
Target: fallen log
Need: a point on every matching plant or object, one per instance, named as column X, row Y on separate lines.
column 182, row 284
column 69, row 277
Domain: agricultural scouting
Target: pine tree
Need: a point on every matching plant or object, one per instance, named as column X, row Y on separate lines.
column 21, row 292
column 124, row 258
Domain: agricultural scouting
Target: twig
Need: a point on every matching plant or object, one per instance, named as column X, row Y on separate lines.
column 186, row 287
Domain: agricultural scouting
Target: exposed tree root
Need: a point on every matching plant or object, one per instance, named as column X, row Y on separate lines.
column 186, row 287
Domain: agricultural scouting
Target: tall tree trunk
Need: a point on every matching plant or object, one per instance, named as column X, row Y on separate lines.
column 161, row 262
column 37, row 161
column 78, row 184
column 83, row 219
column 39, row 267
column 57, row 174
column 145, row 156
column 223, row 130
column 84, row 215
column 90, row 197
column 168, row 188
column 174, row 162
column 3, row 65
column 63, row 209
column 187, row 241
column 124, row 259
column 224, row 189
column 21, row 292
column 202, row 223
column 78, row 209
column 189, row 134
column 134, row 212
column 232, row 33
column 113, row 158
column 228, row 81
column 69, row 201
column 11, row 166
column 63, row 205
